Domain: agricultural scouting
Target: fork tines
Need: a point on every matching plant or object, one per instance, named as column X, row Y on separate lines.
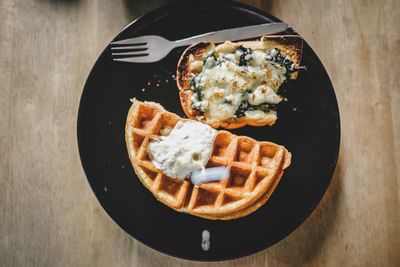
column 134, row 47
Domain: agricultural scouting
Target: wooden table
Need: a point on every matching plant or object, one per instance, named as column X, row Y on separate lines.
column 48, row 213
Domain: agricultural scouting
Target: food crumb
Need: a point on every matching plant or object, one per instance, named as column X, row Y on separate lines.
column 105, row 189
column 143, row 89
column 148, row 83
column 205, row 242
column 166, row 80
column 158, row 85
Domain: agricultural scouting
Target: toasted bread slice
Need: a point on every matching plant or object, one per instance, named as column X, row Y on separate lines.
column 289, row 45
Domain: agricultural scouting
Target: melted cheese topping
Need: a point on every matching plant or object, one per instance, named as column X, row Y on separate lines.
column 186, row 149
column 259, row 114
column 225, row 84
column 263, row 94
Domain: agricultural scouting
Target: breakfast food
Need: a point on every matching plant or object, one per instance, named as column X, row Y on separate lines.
column 255, row 168
column 187, row 148
column 231, row 85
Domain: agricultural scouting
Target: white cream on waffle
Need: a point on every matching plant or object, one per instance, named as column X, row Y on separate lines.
column 187, row 148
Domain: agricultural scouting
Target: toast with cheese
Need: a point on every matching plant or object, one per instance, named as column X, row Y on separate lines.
column 231, row 85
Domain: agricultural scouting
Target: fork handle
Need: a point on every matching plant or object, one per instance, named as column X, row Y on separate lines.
column 234, row 34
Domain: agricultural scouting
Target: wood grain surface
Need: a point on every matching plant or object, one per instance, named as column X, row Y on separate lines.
column 48, row 213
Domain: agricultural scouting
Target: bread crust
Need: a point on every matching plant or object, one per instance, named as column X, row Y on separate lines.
column 290, row 45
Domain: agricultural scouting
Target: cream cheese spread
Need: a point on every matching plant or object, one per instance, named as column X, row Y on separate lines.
column 234, row 79
column 186, row 149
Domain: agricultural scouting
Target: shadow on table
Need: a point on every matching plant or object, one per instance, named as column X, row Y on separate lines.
column 135, row 8
column 64, row 2
column 305, row 243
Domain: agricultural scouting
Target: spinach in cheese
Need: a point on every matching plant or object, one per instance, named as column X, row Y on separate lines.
column 234, row 81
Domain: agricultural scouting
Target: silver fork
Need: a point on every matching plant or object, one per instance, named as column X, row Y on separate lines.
column 152, row 48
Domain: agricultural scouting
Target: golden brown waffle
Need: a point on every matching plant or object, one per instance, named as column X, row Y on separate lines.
column 255, row 168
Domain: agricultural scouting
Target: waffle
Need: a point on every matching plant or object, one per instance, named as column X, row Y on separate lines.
column 255, row 168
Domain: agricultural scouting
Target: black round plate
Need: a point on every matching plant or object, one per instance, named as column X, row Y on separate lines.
column 308, row 126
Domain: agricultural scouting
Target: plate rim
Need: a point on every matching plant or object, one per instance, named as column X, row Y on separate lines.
column 206, row 3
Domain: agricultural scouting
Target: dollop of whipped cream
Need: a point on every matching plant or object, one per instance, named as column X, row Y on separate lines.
column 186, row 149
